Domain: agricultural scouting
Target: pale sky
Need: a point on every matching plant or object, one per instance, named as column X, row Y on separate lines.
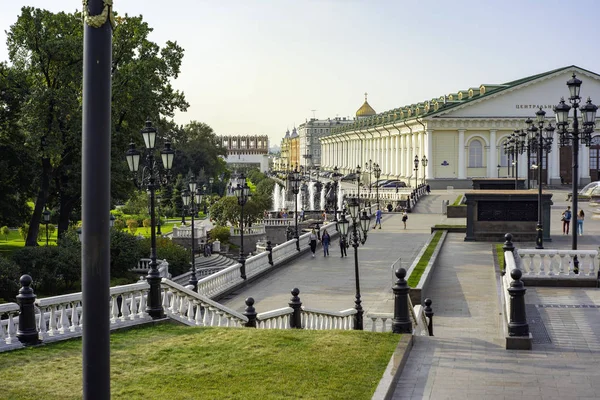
column 260, row 67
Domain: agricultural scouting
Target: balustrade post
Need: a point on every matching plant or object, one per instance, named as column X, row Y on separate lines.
column 429, row 314
column 250, row 313
column 517, row 325
column 270, row 251
column 401, row 322
column 296, row 305
column 27, row 332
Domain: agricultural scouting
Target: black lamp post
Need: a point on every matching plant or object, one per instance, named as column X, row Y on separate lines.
column 498, row 167
column 543, row 142
column 359, row 236
column 294, row 184
column 424, row 162
column 416, row 161
column 574, row 134
column 242, row 191
column 204, row 188
column 152, row 179
column 191, row 199
column 369, row 168
column 158, row 223
column 377, row 173
column 46, row 217
column 336, row 178
column 358, row 182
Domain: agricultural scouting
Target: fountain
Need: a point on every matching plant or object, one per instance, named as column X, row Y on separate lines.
column 311, row 196
column 322, row 198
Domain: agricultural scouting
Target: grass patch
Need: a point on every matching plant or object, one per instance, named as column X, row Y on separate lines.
column 446, row 226
column 500, row 256
column 14, row 242
column 458, row 201
column 415, row 276
column 170, row 361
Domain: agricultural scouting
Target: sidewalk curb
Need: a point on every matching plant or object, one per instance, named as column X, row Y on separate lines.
column 387, row 385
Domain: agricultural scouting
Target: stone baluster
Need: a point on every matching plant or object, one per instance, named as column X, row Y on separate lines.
column 296, row 305
column 517, row 325
column 250, row 313
column 401, row 322
column 27, row 332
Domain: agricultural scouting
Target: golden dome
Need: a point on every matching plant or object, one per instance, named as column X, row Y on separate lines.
column 365, row 110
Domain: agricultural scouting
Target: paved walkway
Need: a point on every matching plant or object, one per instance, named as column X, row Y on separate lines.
column 467, row 360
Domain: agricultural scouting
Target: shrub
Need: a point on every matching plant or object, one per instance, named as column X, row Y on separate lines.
column 147, row 222
column 9, row 280
column 125, row 253
column 120, row 224
column 132, row 225
column 177, row 256
column 5, row 232
column 23, row 231
column 42, row 264
column 220, row 233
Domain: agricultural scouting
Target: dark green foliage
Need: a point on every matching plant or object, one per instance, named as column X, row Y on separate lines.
column 220, row 233
column 177, row 256
column 9, row 280
column 125, row 252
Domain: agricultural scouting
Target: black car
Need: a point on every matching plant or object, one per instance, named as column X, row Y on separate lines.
column 394, row 184
column 350, row 177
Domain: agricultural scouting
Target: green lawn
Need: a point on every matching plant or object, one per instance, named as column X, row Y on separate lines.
column 15, row 242
column 500, row 256
column 169, row 361
column 415, row 276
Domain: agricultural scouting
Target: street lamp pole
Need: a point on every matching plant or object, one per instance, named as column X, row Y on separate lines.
column 335, row 177
column 377, row 172
column 149, row 174
column 588, row 113
column 424, row 162
column 359, row 236
column 499, row 166
column 294, row 180
column 192, row 198
column 358, row 182
column 242, row 192
column 369, row 168
column 416, row 161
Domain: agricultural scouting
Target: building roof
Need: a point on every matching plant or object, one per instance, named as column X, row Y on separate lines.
column 294, row 133
column 365, row 110
column 439, row 105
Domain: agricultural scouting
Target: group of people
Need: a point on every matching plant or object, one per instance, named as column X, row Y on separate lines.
column 566, row 217
column 326, row 242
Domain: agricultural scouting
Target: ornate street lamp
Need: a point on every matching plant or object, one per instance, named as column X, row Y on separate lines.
column 369, row 168
column 294, row 184
column 242, row 191
column 360, row 226
column 191, row 199
column 336, row 178
column 573, row 135
column 498, row 167
column 377, row 173
column 424, row 162
column 416, row 162
column 543, row 142
column 358, row 182
column 152, row 179
column 46, row 217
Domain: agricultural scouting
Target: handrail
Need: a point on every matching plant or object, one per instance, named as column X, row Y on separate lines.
column 274, row 319
column 550, row 263
column 316, row 319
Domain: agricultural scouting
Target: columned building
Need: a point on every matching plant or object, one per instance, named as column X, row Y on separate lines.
column 285, row 152
column 247, row 151
column 295, row 149
column 310, row 133
column 462, row 134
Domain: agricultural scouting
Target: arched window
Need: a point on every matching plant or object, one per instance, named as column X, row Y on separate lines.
column 475, row 154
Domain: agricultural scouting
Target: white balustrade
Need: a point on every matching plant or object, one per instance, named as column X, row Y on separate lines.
column 275, row 319
column 315, row 319
column 221, row 281
column 276, row 221
column 195, row 309
column 144, row 266
column 9, row 323
column 382, row 322
column 185, row 232
column 550, row 263
column 257, row 264
column 248, row 230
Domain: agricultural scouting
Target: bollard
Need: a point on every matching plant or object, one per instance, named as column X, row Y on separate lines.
column 250, row 313
column 429, row 314
column 296, row 304
column 270, row 250
column 401, row 322
column 517, row 325
column 27, row 332
column 508, row 246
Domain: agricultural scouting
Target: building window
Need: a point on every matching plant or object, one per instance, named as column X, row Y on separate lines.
column 475, row 154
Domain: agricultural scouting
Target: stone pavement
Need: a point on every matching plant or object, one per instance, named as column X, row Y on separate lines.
column 467, row 360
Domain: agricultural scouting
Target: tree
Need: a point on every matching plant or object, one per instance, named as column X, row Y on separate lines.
column 47, row 49
column 227, row 210
column 5, row 232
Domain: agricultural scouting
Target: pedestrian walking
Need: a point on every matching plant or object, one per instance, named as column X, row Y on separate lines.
column 343, row 246
column 566, row 220
column 313, row 242
column 325, row 241
column 428, row 189
column 404, row 218
column 377, row 218
column 580, row 218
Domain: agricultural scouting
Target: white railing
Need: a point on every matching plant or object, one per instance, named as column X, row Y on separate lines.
column 248, row 230
column 194, row 309
column 144, row 265
column 382, row 322
column 315, row 319
column 276, row 221
column 275, row 319
column 557, row 263
column 221, row 281
column 186, row 232
column 9, row 323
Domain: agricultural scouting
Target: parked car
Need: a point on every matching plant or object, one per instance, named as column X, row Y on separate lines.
column 350, row 177
column 394, row 184
column 380, row 182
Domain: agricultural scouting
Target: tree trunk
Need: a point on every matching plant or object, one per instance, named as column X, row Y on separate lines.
column 40, row 202
column 66, row 206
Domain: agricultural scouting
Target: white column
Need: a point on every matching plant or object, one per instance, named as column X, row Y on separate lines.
column 493, row 156
column 584, row 170
column 429, row 153
column 554, row 162
column 462, row 167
